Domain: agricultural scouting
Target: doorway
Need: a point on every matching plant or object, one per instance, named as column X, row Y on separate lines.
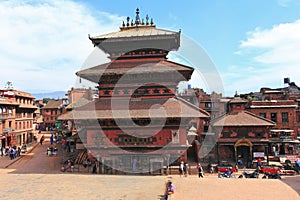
column 243, row 153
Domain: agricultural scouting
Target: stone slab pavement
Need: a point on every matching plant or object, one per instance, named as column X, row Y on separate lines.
column 111, row 187
column 38, row 176
column 5, row 161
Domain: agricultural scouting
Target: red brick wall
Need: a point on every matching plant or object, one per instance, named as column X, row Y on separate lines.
column 292, row 117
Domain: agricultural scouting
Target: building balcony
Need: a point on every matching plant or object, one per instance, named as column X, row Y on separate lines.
column 8, row 130
column 3, row 116
column 28, row 106
column 23, row 130
column 21, row 116
column 281, row 139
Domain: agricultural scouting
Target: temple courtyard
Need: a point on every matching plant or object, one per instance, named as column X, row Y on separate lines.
column 87, row 186
column 38, row 176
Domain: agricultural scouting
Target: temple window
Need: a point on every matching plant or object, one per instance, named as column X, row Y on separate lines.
column 225, row 134
column 208, row 105
column 175, row 137
column 263, row 115
column 285, row 116
column 106, row 92
column 274, row 117
column 166, row 91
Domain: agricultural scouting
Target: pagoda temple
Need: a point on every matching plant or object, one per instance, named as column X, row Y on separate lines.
column 137, row 124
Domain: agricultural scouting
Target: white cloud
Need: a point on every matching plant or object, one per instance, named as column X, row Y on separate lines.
column 281, row 44
column 284, row 3
column 274, row 54
column 43, row 43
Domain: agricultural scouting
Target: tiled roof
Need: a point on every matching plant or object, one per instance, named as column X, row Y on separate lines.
column 238, row 100
column 173, row 107
column 139, row 31
column 80, row 102
column 243, row 118
column 23, row 94
column 8, row 102
column 119, row 68
column 53, row 104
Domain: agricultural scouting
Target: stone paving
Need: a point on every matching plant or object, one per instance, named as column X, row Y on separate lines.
column 37, row 176
column 5, row 161
column 106, row 187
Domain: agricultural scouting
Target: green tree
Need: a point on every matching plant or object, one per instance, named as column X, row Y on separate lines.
column 46, row 100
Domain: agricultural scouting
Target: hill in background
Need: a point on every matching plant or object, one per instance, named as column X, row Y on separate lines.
column 51, row 95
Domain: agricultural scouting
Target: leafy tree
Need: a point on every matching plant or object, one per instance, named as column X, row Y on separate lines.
column 46, row 100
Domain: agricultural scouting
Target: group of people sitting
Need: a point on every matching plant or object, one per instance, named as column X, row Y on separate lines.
column 12, row 151
column 52, row 151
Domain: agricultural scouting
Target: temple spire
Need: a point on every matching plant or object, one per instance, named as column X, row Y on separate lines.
column 128, row 20
column 137, row 17
column 137, row 21
column 147, row 20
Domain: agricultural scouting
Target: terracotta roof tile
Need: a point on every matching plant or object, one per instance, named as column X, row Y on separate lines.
column 120, row 68
column 243, row 118
column 140, row 31
column 53, row 104
column 174, row 107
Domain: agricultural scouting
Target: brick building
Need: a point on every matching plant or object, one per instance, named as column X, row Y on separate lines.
column 24, row 117
column 282, row 112
column 16, row 111
column 76, row 98
column 286, row 100
column 51, row 111
column 240, row 133
column 7, row 116
column 213, row 103
column 130, row 138
column 75, row 94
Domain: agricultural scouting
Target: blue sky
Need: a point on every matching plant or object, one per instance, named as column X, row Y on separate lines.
column 252, row 43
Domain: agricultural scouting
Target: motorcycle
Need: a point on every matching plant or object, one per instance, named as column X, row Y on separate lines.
column 271, row 176
column 254, row 174
column 226, row 175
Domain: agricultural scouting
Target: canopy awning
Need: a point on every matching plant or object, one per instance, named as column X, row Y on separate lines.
column 281, row 130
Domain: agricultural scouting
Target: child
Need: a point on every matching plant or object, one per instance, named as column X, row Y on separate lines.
column 170, row 189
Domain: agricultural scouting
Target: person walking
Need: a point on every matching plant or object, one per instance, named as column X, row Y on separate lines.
column 200, row 170
column 19, row 152
column 11, row 153
column 181, row 168
column 51, row 139
column 42, row 139
column 185, row 169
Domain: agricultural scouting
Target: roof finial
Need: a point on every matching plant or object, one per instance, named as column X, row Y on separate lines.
column 128, row 19
column 147, row 20
column 151, row 23
column 137, row 17
column 236, row 94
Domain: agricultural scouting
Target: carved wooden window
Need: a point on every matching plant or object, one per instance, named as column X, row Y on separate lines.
column 175, row 137
column 285, row 117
